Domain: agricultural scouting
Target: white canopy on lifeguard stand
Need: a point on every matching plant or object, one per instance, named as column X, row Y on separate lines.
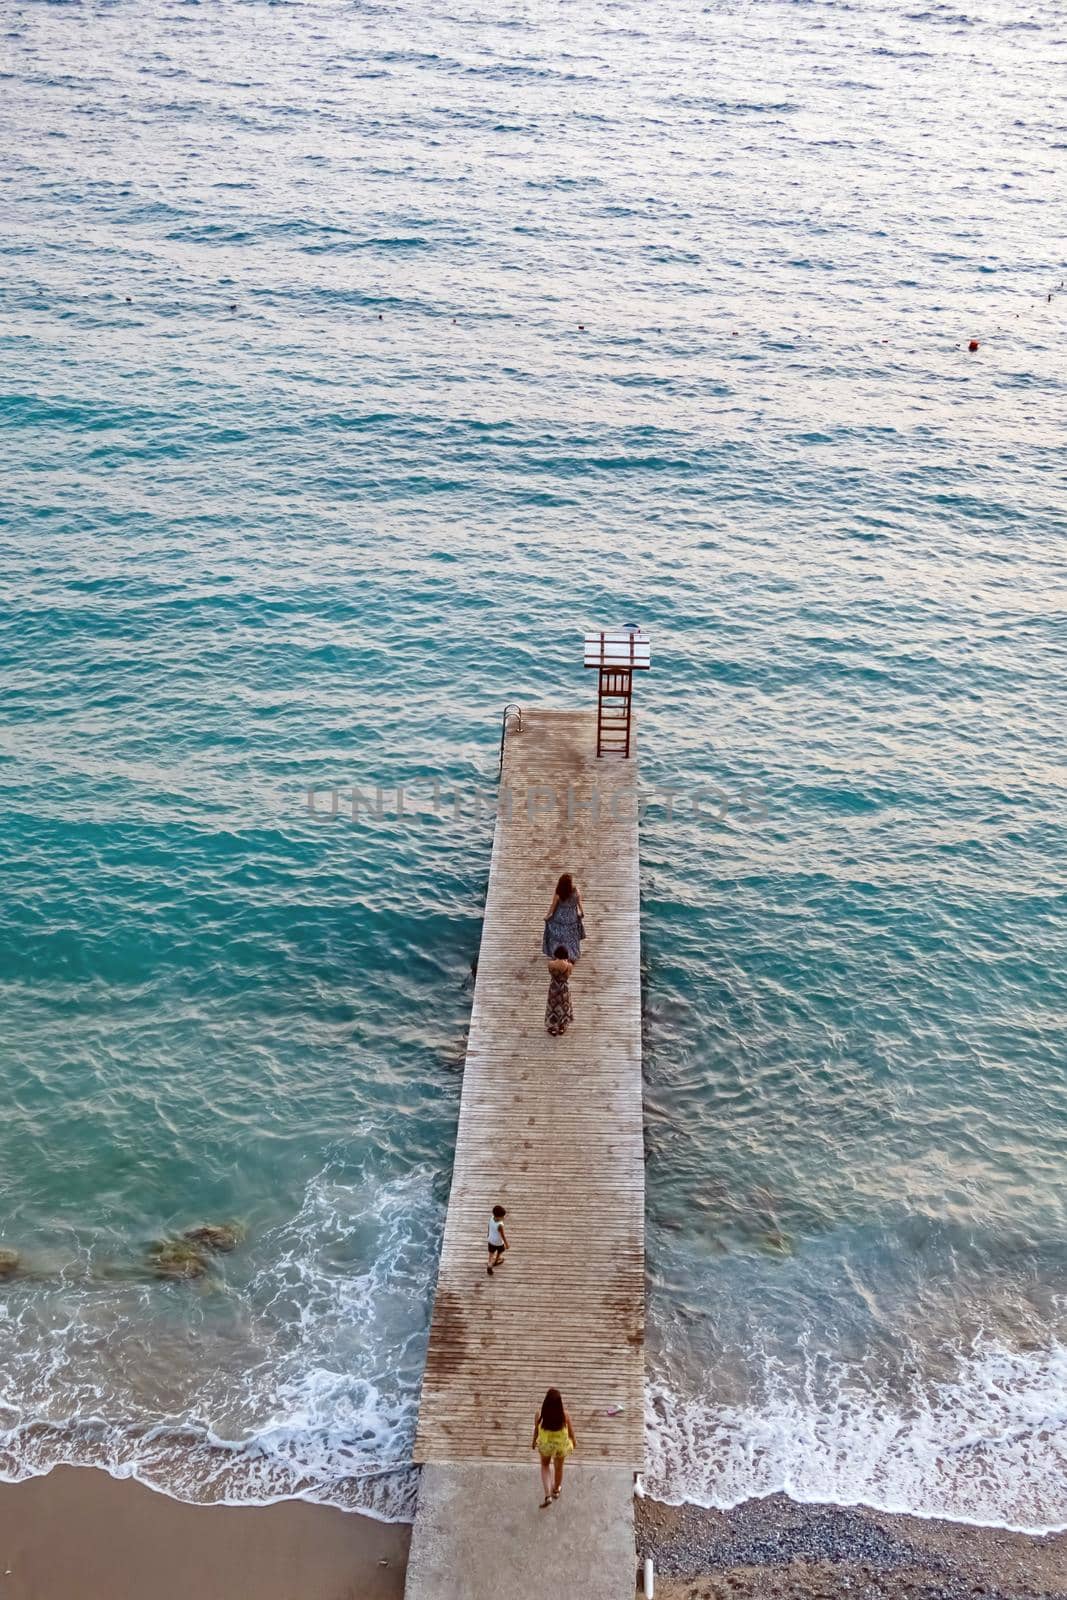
column 616, row 654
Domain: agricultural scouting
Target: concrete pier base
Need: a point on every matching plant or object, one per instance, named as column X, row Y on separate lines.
column 480, row 1534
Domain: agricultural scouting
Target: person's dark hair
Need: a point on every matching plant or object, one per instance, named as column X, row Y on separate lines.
column 565, row 886
column 560, row 953
column 552, row 1417
column 498, row 1212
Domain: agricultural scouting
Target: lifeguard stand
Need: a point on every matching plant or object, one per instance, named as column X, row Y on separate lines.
column 616, row 657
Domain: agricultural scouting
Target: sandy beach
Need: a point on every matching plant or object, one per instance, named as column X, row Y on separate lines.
column 78, row 1532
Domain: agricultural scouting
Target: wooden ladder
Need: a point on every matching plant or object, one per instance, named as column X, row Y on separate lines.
column 617, row 655
column 613, row 711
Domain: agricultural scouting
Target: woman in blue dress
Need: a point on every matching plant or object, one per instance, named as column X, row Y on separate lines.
column 564, row 923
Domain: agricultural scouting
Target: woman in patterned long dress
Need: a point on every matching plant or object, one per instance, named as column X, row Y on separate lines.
column 559, row 1013
column 564, row 924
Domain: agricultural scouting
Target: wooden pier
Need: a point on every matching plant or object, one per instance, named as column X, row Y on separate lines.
column 551, row 1128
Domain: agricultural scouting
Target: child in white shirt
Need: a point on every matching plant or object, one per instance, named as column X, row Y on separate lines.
column 498, row 1239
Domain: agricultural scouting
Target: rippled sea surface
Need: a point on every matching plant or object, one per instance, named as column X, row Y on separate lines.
column 353, row 359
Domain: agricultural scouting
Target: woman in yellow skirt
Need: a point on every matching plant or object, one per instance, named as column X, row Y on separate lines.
column 553, row 1439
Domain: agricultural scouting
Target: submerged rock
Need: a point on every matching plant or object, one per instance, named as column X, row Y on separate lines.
column 775, row 1243
column 9, row 1263
column 176, row 1258
column 216, row 1235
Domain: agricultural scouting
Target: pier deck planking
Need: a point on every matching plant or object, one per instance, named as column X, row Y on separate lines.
column 552, row 1129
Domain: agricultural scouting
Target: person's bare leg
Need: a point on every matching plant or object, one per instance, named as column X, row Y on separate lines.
column 557, row 1462
column 546, row 1480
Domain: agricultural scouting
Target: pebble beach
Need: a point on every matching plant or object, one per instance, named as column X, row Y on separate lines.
column 781, row 1549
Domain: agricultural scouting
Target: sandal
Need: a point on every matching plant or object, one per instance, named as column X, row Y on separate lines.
column 545, row 1503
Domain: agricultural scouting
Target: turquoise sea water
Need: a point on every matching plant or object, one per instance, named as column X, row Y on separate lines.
column 321, row 538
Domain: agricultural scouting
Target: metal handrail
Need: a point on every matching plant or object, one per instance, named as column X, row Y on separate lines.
column 504, row 733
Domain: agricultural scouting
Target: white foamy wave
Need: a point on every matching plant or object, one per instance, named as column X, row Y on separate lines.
column 189, row 1464
column 988, row 1447
column 319, row 1399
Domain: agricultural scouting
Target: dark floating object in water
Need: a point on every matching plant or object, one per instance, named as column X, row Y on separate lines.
column 973, row 345
column 234, row 306
column 9, row 1263
column 222, row 1236
column 176, row 1258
